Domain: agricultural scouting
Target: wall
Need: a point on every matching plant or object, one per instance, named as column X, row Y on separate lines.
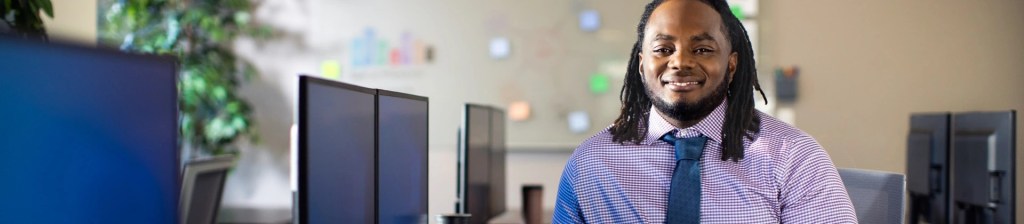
column 73, row 20
column 867, row 65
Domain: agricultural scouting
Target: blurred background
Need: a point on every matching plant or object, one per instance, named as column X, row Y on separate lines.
column 850, row 73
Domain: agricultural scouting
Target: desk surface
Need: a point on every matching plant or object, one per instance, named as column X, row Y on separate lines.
column 249, row 215
column 516, row 217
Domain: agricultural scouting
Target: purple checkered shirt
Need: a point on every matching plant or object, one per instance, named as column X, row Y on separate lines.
column 784, row 177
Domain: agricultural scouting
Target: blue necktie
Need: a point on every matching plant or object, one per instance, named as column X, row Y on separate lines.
column 684, row 195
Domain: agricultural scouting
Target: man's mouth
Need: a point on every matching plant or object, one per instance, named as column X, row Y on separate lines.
column 682, row 86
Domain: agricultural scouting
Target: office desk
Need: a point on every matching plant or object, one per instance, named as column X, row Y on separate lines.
column 249, row 215
column 516, row 217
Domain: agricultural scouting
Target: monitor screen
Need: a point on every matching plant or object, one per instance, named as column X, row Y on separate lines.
column 89, row 135
column 928, row 167
column 984, row 167
column 476, row 159
column 402, row 158
column 336, row 152
column 498, row 155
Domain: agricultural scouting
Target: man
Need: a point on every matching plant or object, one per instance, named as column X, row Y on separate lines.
column 688, row 146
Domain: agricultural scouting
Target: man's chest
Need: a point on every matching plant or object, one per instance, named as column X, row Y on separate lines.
column 636, row 189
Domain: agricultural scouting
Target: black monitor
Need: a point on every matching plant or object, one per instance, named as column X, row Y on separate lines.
column 402, row 157
column 475, row 164
column 928, row 168
column 498, row 154
column 337, row 153
column 984, row 177
column 202, row 186
column 89, row 135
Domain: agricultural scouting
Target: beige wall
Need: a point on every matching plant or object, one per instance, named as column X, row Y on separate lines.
column 866, row 65
column 73, row 20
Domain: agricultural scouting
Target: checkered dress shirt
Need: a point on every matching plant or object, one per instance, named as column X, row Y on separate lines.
column 784, row 177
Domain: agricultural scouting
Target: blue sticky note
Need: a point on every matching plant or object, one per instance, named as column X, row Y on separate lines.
column 590, row 20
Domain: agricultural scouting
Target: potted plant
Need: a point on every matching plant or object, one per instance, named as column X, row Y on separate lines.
column 23, row 17
column 213, row 117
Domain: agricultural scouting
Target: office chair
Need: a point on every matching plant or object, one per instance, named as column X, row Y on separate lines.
column 877, row 196
column 202, row 185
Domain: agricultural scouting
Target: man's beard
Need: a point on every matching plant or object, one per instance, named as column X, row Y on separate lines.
column 685, row 111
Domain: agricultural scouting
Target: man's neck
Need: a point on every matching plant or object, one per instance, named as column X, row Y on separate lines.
column 681, row 124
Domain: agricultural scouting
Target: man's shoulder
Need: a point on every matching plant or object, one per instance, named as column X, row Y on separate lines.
column 596, row 145
column 777, row 129
column 788, row 140
column 601, row 140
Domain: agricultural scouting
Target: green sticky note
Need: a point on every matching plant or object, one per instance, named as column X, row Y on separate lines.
column 738, row 12
column 330, row 69
column 599, row 83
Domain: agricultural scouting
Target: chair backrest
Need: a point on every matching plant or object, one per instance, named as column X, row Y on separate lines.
column 877, row 196
column 202, row 187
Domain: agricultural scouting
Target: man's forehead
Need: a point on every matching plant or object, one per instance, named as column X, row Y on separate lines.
column 692, row 17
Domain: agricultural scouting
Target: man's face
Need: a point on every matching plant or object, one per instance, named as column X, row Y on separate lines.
column 686, row 60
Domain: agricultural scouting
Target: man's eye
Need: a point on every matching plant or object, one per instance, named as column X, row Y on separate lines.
column 702, row 51
column 663, row 51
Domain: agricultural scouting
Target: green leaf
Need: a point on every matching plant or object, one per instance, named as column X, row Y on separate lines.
column 47, row 7
column 219, row 93
column 238, row 122
column 242, row 17
column 233, row 107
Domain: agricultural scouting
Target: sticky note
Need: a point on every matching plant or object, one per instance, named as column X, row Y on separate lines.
column 599, row 83
column 500, row 47
column 590, row 20
column 579, row 122
column 330, row 69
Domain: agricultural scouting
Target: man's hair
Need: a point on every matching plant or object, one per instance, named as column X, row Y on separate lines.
column 740, row 117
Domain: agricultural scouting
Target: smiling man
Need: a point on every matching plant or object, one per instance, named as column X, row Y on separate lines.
column 688, row 146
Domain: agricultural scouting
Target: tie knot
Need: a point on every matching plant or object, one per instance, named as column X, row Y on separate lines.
column 686, row 148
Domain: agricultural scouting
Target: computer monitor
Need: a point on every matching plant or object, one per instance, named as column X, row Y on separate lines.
column 928, row 168
column 984, row 177
column 498, row 153
column 89, row 135
column 475, row 164
column 337, row 152
column 201, row 188
column 402, row 157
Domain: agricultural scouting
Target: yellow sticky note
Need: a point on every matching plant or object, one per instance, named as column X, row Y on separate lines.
column 330, row 69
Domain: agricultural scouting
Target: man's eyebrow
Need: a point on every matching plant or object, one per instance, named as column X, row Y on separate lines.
column 702, row 37
column 664, row 37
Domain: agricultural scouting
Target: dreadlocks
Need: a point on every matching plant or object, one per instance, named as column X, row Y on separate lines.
column 740, row 118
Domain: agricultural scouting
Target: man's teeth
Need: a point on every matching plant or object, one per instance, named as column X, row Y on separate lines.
column 682, row 83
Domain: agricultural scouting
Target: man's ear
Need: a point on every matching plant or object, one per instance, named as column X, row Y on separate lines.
column 733, row 57
column 640, row 65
